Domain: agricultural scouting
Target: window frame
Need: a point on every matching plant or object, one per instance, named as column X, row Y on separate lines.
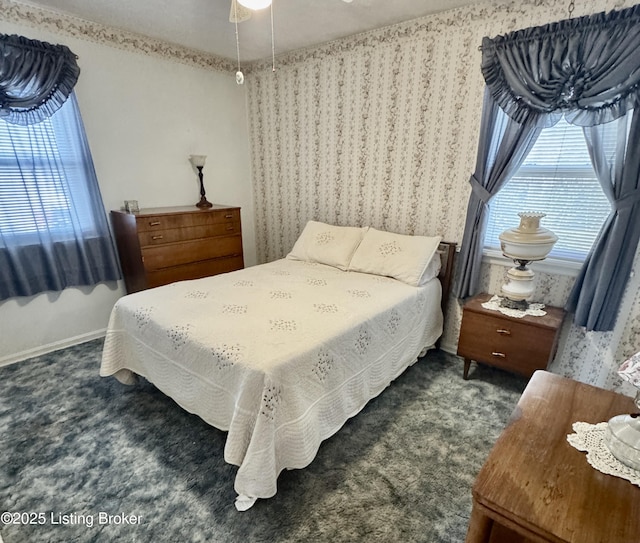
column 53, row 164
column 553, row 264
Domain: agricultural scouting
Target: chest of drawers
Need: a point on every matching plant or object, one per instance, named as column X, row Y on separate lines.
column 522, row 345
column 162, row 245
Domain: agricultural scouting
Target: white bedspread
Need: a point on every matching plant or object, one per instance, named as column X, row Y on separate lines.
column 279, row 355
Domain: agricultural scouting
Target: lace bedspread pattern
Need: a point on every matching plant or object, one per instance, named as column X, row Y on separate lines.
column 279, row 355
column 589, row 438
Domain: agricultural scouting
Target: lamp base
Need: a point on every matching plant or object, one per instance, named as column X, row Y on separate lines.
column 519, row 287
column 204, row 203
column 521, row 305
column 622, row 438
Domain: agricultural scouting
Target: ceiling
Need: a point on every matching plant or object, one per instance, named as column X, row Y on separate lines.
column 204, row 24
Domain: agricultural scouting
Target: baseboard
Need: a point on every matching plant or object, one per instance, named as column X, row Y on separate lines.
column 50, row 347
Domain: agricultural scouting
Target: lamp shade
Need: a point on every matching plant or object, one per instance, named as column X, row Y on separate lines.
column 255, row 4
column 529, row 241
column 198, row 160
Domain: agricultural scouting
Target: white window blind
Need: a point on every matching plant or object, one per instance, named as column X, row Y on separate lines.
column 557, row 179
column 42, row 179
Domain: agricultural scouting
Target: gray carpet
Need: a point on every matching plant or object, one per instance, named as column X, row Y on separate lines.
column 75, row 447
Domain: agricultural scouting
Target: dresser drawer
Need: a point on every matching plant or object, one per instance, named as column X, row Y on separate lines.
column 508, row 344
column 159, row 237
column 166, row 256
column 194, row 270
column 149, row 223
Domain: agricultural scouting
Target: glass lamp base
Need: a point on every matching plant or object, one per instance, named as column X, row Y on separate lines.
column 519, row 287
column 622, row 438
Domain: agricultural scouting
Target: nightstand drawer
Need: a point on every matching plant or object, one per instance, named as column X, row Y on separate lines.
column 522, row 345
column 506, row 344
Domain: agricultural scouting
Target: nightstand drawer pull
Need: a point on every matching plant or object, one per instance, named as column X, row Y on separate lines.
column 157, row 237
column 499, row 355
column 229, row 216
column 230, row 227
column 503, row 331
column 154, row 223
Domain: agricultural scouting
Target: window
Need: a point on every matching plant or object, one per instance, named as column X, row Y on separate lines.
column 43, row 180
column 557, row 179
column 53, row 227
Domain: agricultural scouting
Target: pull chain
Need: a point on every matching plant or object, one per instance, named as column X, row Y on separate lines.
column 273, row 46
column 572, row 6
column 239, row 74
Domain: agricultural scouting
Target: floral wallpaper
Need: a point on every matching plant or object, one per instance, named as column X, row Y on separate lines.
column 381, row 129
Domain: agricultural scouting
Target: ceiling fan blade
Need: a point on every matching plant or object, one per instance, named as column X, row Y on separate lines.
column 238, row 13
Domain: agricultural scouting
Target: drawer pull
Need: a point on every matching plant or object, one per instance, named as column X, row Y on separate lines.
column 498, row 355
column 229, row 216
column 154, row 223
column 503, row 331
column 230, row 227
column 157, row 237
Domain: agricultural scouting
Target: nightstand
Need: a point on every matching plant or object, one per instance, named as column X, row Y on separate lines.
column 521, row 345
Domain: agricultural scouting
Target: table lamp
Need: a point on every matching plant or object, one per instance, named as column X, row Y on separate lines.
column 197, row 162
column 526, row 243
column 622, row 435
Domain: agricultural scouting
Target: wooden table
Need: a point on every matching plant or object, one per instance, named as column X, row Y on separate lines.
column 536, row 487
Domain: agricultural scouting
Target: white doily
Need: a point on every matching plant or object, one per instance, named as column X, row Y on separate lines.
column 589, row 438
column 535, row 310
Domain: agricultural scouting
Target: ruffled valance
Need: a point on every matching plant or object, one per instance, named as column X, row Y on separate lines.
column 36, row 78
column 586, row 68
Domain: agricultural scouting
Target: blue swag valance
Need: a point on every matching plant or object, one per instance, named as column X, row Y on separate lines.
column 587, row 68
column 36, row 78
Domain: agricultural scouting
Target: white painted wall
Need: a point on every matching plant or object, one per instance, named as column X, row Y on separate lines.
column 144, row 115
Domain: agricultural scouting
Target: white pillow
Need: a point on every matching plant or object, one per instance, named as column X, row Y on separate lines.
column 327, row 244
column 407, row 258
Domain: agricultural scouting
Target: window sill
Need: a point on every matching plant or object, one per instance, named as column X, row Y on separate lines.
column 551, row 266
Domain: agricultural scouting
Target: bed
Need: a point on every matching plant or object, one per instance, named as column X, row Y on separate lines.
column 281, row 354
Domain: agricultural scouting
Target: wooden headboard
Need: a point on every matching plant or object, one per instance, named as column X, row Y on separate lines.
column 447, row 251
